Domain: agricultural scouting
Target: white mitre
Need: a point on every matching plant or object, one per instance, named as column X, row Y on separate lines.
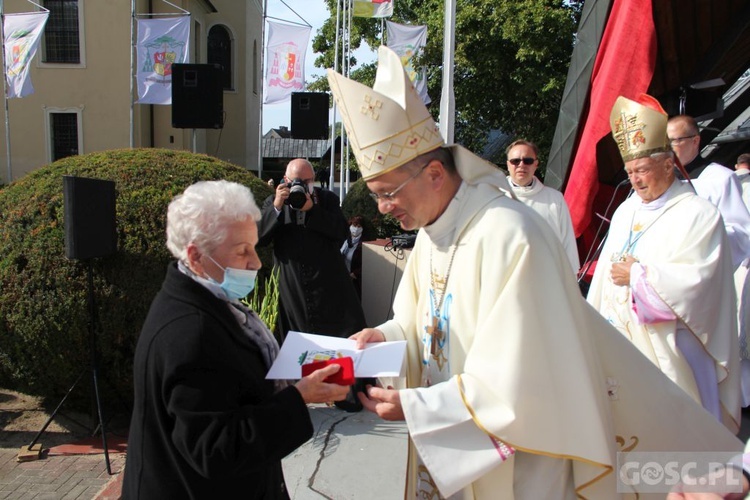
column 388, row 125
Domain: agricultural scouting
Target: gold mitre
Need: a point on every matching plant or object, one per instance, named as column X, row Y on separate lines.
column 639, row 127
column 388, row 125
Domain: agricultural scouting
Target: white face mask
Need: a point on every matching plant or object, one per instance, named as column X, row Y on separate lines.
column 356, row 231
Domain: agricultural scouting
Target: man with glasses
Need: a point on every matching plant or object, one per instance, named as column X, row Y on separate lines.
column 316, row 294
column 504, row 395
column 713, row 182
column 685, row 139
column 523, row 160
column 664, row 279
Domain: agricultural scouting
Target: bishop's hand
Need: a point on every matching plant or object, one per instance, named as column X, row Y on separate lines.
column 620, row 272
column 386, row 403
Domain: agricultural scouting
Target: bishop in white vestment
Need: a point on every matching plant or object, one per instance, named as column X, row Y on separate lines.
column 664, row 278
column 515, row 387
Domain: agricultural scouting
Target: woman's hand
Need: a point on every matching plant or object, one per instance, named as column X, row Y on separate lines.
column 314, row 389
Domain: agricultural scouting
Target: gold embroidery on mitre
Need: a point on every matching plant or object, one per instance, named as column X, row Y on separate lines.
column 639, row 128
column 371, row 107
column 396, row 150
column 628, row 133
column 413, row 140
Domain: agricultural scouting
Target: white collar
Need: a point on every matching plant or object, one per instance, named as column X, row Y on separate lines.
column 661, row 200
column 442, row 231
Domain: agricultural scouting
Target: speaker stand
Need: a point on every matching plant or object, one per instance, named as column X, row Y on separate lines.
column 93, row 369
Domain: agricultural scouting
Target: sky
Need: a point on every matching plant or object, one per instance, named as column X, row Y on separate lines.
column 314, row 12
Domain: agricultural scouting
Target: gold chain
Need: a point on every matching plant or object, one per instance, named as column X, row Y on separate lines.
column 435, row 302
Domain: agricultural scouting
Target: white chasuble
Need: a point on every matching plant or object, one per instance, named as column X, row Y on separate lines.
column 682, row 246
column 529, row 393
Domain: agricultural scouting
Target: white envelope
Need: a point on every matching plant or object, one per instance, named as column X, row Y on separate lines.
column 378, row 359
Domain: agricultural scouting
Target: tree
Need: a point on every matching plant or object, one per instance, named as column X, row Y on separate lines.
column 511, row 62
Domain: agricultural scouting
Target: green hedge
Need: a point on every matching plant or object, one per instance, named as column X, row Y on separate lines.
column 43, row 307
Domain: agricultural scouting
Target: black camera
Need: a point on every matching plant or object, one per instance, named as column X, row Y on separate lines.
column 297, row 194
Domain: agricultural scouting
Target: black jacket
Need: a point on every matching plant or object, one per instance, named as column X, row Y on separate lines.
column 206, row 423
column 316, row 293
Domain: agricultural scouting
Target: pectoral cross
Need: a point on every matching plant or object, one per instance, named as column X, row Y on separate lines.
column 436, row 335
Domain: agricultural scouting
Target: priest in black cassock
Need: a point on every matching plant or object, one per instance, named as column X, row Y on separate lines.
column 307, row 228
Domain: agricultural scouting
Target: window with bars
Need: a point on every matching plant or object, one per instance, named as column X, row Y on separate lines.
column 61, row 35
column 220, row 52
column 64, row 135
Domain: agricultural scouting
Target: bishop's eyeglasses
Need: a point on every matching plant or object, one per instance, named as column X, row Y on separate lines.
column 389, row 197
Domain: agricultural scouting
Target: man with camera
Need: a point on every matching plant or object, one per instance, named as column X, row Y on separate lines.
column 307, row 228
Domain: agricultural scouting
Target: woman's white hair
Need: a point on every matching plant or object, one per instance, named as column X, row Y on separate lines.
column 201, row 214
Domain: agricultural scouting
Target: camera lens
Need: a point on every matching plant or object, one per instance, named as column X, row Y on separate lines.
column 297, row 196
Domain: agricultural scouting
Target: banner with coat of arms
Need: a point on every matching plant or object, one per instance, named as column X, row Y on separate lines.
column 161, row 43
column 285, row 61
column 22, row 34
column 407, row 42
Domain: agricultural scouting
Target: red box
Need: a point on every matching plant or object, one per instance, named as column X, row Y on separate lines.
column 345, row 376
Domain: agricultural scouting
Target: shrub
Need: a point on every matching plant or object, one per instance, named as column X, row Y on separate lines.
column 43, row 295
column 376, row 225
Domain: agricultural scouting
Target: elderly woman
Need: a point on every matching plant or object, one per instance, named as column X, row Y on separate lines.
column 206, row 423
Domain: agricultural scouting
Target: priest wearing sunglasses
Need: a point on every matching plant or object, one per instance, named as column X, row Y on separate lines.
column 523, row 160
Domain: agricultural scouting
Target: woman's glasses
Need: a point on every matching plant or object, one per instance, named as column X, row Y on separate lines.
column 517, row 161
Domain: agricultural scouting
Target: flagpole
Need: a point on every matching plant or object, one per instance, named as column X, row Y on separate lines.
column 262, row 87
column 344, row 177
column 132, row 72
column 448, row 98
column 344, row 51
column 332, row 172
column 5, row 91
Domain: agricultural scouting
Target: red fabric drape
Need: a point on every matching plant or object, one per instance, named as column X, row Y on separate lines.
column 624, row 66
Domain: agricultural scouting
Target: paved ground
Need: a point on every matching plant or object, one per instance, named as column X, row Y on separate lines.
column 58, row 477
column 351, row 455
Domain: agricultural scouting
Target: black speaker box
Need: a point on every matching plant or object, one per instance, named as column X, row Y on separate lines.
column 197, row 96
column 309, row 115
column 89, row 206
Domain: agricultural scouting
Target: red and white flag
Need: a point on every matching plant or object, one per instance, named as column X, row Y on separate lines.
column 373, row 8
column 22, row 34
column 285, row 61
column 408, row 42
column 161, row 43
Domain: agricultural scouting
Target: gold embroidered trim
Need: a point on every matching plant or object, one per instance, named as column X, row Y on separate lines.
column 608, row 469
